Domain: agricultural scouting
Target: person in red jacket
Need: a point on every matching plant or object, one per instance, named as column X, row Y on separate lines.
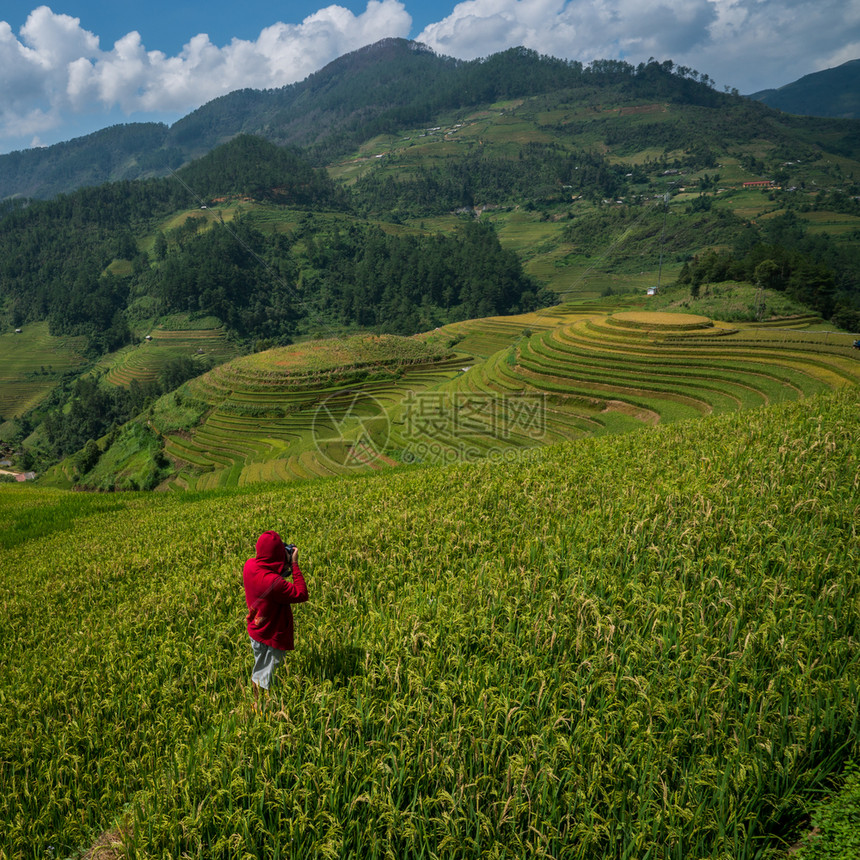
column 269, row 595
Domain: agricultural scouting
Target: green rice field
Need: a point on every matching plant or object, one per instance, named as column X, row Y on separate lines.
column 31, row 364
column 493, row 387
column 628, row 646
column 145, row 360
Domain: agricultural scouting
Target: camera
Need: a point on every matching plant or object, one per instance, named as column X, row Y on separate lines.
column 289, row 547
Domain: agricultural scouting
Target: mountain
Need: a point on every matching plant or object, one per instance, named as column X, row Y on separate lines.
column 351, row 92
column 369, row 91
column 830, row 93
column 130, row 151
column 374, row 90
column 380, row 89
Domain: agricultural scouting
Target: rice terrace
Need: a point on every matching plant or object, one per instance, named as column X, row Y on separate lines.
column 635, row 645
column 369, row 402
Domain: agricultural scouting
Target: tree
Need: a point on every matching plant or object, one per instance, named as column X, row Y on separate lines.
column 88, row 456
column 767, row 275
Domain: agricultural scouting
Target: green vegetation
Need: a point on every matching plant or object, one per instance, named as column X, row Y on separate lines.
column 835, row 834
column 670, row 669
column 735, row 301
column 31, row 363
column 810, row 269
column 466, row 191
column 159, row 353
column 488, row 387
column 567, row 643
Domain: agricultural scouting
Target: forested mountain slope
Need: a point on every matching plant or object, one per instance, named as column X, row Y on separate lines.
column 378, row 89
column 831, row 92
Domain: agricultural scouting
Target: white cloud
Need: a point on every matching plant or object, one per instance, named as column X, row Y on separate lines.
column 57, row 69
column 579, row 29
column 750, row 44
column 839, row 56
column 757, row 44
column 55, row 73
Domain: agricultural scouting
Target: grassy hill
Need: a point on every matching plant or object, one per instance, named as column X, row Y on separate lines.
column 31, row 363
column 484, row 388
column 637, row 645
column 205, row 343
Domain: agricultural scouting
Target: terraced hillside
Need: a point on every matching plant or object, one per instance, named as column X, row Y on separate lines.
column 31, row 363
column 487, row 388
column 144, row 361
column 305, row 411
column 613, row 372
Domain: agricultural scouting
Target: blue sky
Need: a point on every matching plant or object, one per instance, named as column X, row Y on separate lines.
column 74, row 66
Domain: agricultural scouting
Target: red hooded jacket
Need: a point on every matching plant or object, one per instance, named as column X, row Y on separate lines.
column 269, row 595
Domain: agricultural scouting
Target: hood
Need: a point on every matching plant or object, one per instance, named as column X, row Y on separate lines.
column 270, row 550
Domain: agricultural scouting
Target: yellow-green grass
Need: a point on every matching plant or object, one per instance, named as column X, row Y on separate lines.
column 643, row 156
column 512, row 129
column 660, row 321
column 436, row 223
column 225, row 210
column 749, row 204
column 549, row 267
column 490, row 402
column 409, row 146
column 121, row 268
column 524, row 232
column 481, row 338
column 609, row 327
column 280, row 405
column 619, row 647
column 679, row 373
column 183, row 322
column 321, row 356
column 31, row 364
column 720, row 385
column 273, row 219
column 583, row 279
column 734, row 300
column 793, row 321
column 573, row 370
column 669, row 401
column 144, row 361
column 553, row 263
column 731, row 171
column 810, row 351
